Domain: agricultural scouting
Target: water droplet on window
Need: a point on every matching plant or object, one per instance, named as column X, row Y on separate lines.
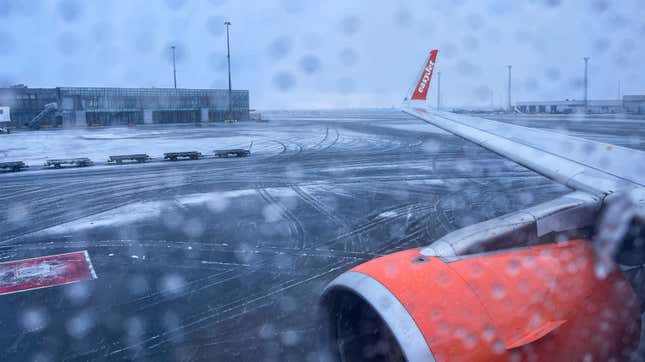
column 67, row 43
column 513, row 267
column 599, row 6
column 175, row 4
column 217, row 203
column 402, row 18
column 70, row 10
column 498, row 346
column 172, row 285
column 272, row 213
column 284, row 81
column 5, row 8
column 498, row 292
column 348, row 57
column 488, row 334
column 266, row 331
column 290, row 338
column 476, row 270
column 310, row 64
column 349, row 25
column 444, row 279
column 280, row 47
column 436, row 313
column 33, row 319
column 134, row 327
column 81, row 324
column 552, row 3
column 78, row 293
column 193, row 228
column 138, row 285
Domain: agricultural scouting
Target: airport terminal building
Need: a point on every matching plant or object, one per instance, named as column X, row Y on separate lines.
column 634, row 104
column 74, row 106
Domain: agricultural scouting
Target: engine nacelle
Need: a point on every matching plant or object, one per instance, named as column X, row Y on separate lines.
column 538, row 303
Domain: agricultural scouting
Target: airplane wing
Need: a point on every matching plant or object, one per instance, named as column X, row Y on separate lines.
column 594, row 169
column 584, row 165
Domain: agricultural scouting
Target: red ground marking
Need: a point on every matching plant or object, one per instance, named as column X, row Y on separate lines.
column 47, row 271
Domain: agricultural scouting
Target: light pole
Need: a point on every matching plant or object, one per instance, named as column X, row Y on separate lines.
column 174, row 70
column 228, row 57
column 586, row 82
column 438, row 90
column 510, row 109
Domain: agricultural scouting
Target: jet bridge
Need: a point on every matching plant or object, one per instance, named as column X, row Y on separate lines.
column 49, row 110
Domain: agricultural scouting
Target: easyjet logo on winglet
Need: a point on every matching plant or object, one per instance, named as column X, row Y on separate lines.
column 426, row 77
column 421, row 91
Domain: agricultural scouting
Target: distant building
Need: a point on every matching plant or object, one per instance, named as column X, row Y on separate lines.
column 634, row 104
column 571, row 106
column 120, row 106
column 629, row 104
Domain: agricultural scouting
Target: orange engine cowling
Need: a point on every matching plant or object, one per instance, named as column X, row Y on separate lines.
column 536, row 304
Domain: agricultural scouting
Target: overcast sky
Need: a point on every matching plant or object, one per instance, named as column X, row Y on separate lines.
column 333, row 53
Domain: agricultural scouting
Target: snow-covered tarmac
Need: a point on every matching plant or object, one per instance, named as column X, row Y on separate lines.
column 224, row 259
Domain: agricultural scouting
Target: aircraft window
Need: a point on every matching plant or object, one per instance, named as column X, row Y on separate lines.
column 298, row 180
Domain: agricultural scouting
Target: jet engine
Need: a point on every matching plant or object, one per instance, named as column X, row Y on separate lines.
column 538, row 303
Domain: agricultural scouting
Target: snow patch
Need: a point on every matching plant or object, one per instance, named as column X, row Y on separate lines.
column 198, row 199
column 119, row 216
column 388, row 214
column 138, row 211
